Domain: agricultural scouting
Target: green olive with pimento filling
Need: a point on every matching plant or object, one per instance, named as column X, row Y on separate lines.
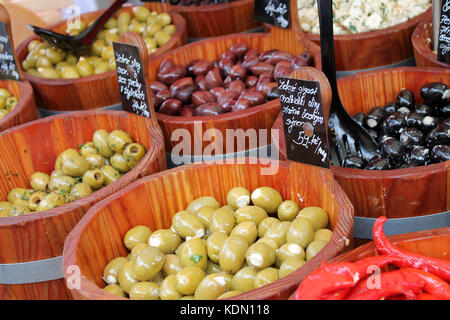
column 35, row 199
column 110, row 174
column 94, row 178
column 118, row 139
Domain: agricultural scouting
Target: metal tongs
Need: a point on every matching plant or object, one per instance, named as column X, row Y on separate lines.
column 348, row 136
column 81, row 43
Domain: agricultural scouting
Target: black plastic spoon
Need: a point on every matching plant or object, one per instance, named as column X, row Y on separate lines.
column 81, row 43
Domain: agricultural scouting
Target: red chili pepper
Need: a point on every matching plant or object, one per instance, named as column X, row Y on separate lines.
column 438, row 267
column 385, row 293
column 426, row 296
column 434, row 285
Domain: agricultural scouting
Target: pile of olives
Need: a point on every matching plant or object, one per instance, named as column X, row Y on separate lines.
column 197, row 2
column 214, row 252
column 7, row 102
column 408, row 134
column 77, row 174
column 52, row 63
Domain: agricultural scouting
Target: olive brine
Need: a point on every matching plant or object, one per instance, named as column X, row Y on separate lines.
column 213, row 252
column 408, row 134
column 77, row 174
column 7, row 102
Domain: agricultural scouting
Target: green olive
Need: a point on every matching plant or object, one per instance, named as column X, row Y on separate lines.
column 95, row 160
column 247, row 230
column 150, row 43
column 137, row 250
column 124, row 18
column 28, row 64
column 94, row 178
column 168, row 289
column 2, row 102
column 144, row 291
column 188, row 279
column 94, row 61
column 48, row 73
column 21, row 202
column 54, row 55
column 119, row 163
column 141, row 13
column 3, row 112
column 188, row 225
column 63, row 184
column 148, row 263
column 265, row 225
column 110, row 174
column 11, row 103
column 18, row 193
column 270, row 242
column 214, row 244
column 290, row 265
column 163, row 19
column 76, row 27
column 115, row 289
column 267, row 198
column 69, row 72
column 138, row 234
column 39, row 181
column 212, row 286
column 133, row 153
column 228, row 294
column 107, row 53
column 289, row 250
column 110, row 38
column 100, row 140
column 243, row 279
column 118, row 139
column 152, row 18
column 97, row 47
column 151, row 30
column 43, row 62
column 71, row 163
column 314, row 247
column 35, row 199
column 32, row 44
column 122, row 29
column 301, row 231
column 260, row 255
column 318, row 216
column 264, row 277
column 18, row 210
column 205, row 215
column 137, row 27
column 323, row 234
column 238, row 197
column 193, row 253
column 112, row 63
column 111, row 23
column 288, row 210
column 172, row 265
column 87, row 149
column 198, row 203
column 101, row 67
column 4, row 208
column 79, row 190
column 162, row 38
column 127, row 278
column 111, row 271
column 61, row 65
column 71, row 59
column 52, row 200
column 232, row 254
column 212, row 268
column 164, row 239
column 278, row 232
column 250, row 213
column 222, row 219
column 170, row 29
column 84, row 68
column 41, row 47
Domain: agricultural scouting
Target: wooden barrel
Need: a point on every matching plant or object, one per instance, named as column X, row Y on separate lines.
column 402, row 194
column 422, row 39
column 153, row 201
column 31, row 245
column 96, row 91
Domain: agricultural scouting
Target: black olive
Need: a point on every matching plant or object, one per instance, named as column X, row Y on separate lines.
column 354, row 162
column 390, row 107
column 444, row 111
column 420, row 156
column 414, row 119
column 407, row 165
column 429, row 123
column 393, row 124
column 435, row 93
column 360, row 118
column 378, row 163
column 440, row 153
column 375, row 116
column 405, row 98
column 411, row 137
column 424, row 109
column 373, row 133
column 394, row 150
column 446, row 122
column 404, row 111
column 439, row 135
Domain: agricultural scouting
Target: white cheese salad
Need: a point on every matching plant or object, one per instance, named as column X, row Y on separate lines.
column 357, row 16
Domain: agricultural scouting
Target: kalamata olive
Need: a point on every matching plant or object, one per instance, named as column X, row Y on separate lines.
column 440, row 153
column 182, row 89
column 393, row 124
column 405, row 98
column 171, row 107
column 225, row 66
column 228, row 106
column 419, row 156
column 429, row 123
column 251, row 81
column 375, row 117
column 208, row 109
column 303, row 59
column 202, row 67
column 378, row 163
column 360, row 118
column 414, row 120
column 435, row 93
column 272, row 93
column 279, row 55
column 213, row 79
column 424, row 109
column 229, row 55
column 282, row 70
column 241, row 104
column 239, row 49
column 260, row 67
column 165, row 64
column 354, row 162
column 266, row 55
column 439, row 135
column 247, row 63
column 156, row 86
column 391, row 107
column 172, row 74
column 187, row 111
column 227, row 81
column 200, row 83
column 190, row 67
column 238, row 72
column 411, row 137
column 256, row 98
column 236, row 85
column 251, row 53
column 264, row 78
column 200, row 97
column 217, row 91
column 227, row 96
column 160, row 97
column 394, row 150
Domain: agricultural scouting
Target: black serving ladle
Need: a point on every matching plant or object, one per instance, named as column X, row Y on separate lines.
column 81, row 43
column 348, row 136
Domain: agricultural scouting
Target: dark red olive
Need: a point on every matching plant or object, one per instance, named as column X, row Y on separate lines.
column 266, row 55
column 172, row 74
column 304, row 59
column 225, row 66
column 157, row 86
column 261, row 67
column 241, row 104
column 213, row 79
column 251, row 81
column 267, row 87
column 236, row 85
column 251, row 53
column 256, row 98
column 201, row 97
column 217, row 91
column 283, row 70
column 264, row 79
column 273, row 92
column 229, row 55
column 208, row 109
column 247, row 63
column 228, row 96
column 239, row 49
column 202, row 67
column 279, row 55
column 160, row 97
column 165, row 64
column 228, row 106
column 200, row 83
column 187, row 111
column 190, row 66
column 182, row 89
column 171, row 107
column 238, row 72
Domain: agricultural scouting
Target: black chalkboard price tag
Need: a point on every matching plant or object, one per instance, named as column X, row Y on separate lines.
column 130, row 75
column 276, row 12
column 443, row 51
column 304, row 122
column 8, row 66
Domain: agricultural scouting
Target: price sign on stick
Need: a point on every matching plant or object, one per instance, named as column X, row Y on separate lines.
column 304, row 123
column 276, row 12
column 8, row 66
column 130, row 75
column 443, row 51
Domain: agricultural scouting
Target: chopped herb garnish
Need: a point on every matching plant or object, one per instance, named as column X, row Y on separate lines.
column 24, row 196
column 196, row 258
